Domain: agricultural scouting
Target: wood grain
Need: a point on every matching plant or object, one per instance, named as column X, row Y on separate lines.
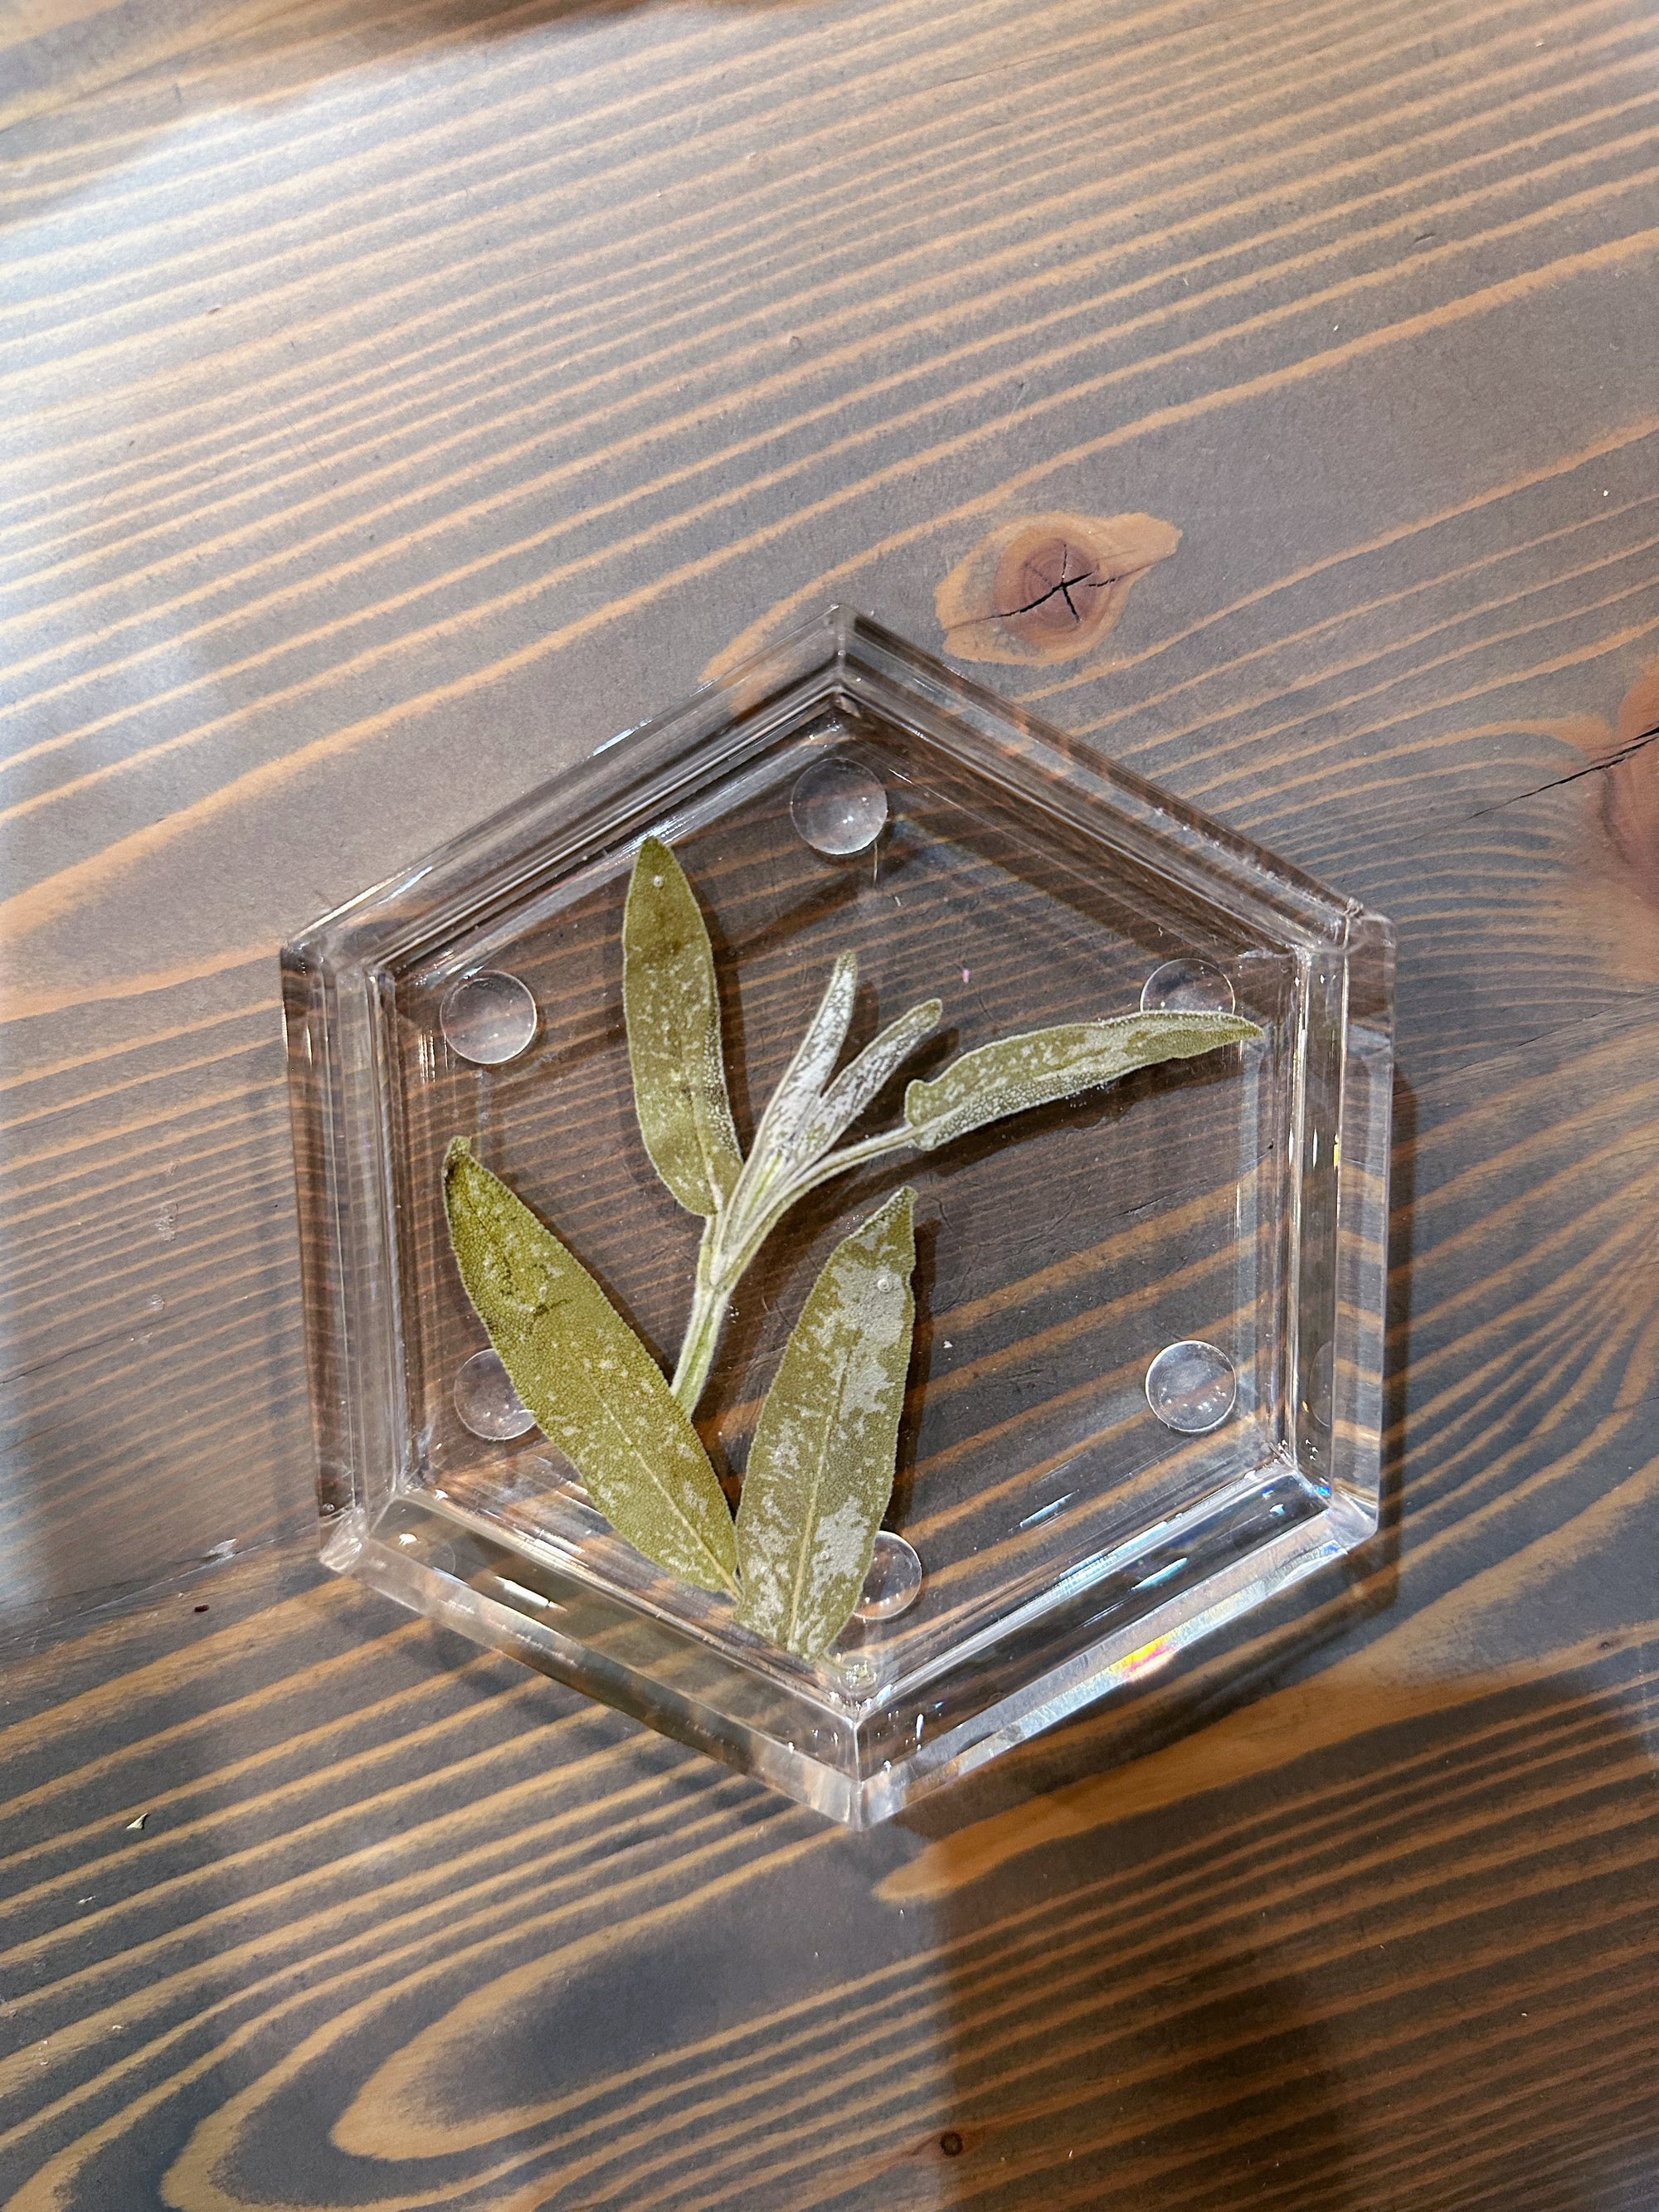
column 396, row 401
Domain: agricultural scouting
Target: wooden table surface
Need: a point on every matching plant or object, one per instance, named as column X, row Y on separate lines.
column 397, row 400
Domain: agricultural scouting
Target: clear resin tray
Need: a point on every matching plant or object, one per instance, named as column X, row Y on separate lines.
column 1146, row 1384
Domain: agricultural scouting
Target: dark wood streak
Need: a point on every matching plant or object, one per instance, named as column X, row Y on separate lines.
column 410, row 396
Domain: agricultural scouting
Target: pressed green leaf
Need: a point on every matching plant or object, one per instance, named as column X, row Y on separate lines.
column 673, row 1013
column 821, row 1466
column 803, row 1080
column 861, row 1078
column 593, row 1387
column 1044, row 1064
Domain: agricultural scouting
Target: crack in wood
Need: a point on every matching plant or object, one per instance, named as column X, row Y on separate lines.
column 1556, row 783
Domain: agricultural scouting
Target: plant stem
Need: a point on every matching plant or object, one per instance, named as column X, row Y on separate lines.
column 731, row 1238
column 702, row 1330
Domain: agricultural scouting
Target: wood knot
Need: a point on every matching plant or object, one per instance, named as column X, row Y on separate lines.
column 1623, row 770
column 1049, row 586
column 1630, row 812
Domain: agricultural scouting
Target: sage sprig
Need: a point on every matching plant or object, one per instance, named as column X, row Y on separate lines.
column 822, row 1463
column 795, row 1145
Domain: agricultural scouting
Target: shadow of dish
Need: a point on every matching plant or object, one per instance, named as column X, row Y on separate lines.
column 1347, row 1952
column 1189, row 2091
